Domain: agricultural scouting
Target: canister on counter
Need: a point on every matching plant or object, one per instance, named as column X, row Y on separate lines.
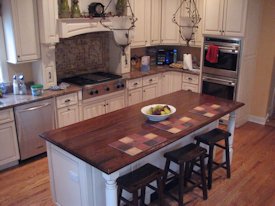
column 37, row 89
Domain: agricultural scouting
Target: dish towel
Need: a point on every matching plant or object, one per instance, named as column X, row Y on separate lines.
column 212, row 54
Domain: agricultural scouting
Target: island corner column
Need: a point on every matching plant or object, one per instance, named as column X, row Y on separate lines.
column 111, row 188
column 231, row 129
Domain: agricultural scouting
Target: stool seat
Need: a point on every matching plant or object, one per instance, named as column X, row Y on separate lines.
column 139, row 178
column 183, row 157
column 211, row 139
column 185, row 154
column 213, row 136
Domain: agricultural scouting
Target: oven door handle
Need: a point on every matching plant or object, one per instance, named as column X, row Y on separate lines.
column 219, row 81
column 226, row 50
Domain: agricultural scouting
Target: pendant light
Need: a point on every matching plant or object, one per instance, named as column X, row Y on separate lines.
column 188, row 24
column 122, row 27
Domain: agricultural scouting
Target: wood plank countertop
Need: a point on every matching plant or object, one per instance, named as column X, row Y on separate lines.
column 89, row 140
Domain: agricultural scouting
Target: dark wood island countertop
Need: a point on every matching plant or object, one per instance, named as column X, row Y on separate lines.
column 89, row 140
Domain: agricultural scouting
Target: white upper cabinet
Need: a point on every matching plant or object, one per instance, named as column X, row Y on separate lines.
column 48, row 15
column 169, row 30
column 224, row 17
column 155, row 18
column 21, row 30
column 142, row 25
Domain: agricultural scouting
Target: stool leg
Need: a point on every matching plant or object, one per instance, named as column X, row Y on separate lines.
column 160, row 191
column 192, row 163
column 227, row 157
column 181, row 184
column 135, row 198
column 187, row 173
column 166, row 168
column 210, row 165
column 119, row 193
column 203, row 179
column 143, row 196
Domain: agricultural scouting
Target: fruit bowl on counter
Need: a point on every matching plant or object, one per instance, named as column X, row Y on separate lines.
column 158, row 112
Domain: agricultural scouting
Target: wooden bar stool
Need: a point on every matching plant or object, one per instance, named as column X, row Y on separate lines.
column 184, row 156
column 211, row 138
column 139, row 179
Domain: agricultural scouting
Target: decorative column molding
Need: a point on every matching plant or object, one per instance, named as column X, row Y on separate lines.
column 231, row 129
column 111, row 188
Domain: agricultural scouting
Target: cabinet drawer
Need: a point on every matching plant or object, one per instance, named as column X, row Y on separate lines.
column 6, row 116
column 190, row 78
column 66, row 100
column 152, row 79
column 134, row 83
column 190, row 87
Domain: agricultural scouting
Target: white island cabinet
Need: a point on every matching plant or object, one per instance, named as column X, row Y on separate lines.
column 20, row 24
column 9, row 152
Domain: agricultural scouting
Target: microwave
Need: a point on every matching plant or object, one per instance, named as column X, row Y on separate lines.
column 166, row 56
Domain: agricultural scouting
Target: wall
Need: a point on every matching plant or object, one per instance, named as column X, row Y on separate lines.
column 265, row 61
column 82, row 54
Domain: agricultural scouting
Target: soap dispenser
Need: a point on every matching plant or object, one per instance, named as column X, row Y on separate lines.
column 22, row 86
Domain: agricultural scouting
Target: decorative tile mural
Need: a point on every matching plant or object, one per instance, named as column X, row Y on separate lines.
column 82, row 54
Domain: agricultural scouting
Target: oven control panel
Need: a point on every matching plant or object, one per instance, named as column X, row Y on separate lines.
column 103, row 88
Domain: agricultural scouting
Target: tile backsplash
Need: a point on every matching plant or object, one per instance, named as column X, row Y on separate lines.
column 82, row 54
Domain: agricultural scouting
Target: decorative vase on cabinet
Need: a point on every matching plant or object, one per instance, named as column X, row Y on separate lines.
column 64, row 9
column 121, row 7
column 75, row 9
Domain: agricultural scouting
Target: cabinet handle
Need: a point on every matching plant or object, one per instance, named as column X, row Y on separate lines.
column 67, row 100
column 189, row 90
column 144, row 90
column 68, row 109
column 130, row 95
column 150, row 80
column 135, row 84
column 50, row 75
column 189, row 78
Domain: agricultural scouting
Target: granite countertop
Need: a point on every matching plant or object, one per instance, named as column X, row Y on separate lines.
column 11, row 100
column 156, row 70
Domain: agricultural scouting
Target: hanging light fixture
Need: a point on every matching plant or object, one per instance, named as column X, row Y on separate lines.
column 122, row 27
column 188, row 24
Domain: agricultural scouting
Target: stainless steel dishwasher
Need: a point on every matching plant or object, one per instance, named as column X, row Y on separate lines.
column 31, row 120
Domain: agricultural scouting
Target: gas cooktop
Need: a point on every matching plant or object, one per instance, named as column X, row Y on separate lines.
column 91, row 78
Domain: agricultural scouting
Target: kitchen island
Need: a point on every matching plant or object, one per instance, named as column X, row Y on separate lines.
column 83, row 164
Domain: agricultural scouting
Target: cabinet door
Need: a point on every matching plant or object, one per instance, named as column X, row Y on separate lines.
column 169, row 30
column 21, row 30
column 234, row 17
column 67, row 116
column 134, row 96
column 150, row 92
column 164, row 83
column 213, row 16
column 175, row 81
column 115, row 103
column 140, row 35
column 8, row 143
column 93, row 109
column 155, row 22
column 48, row 15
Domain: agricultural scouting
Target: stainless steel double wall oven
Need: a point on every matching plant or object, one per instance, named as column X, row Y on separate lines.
column 220, row 78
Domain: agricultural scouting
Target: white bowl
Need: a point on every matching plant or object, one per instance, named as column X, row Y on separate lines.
column 157, row 118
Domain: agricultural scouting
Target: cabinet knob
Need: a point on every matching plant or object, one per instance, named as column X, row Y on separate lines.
column 135, row 84
column 150, row 80
column 189, row 78
column 67, row 100
column 107, row 89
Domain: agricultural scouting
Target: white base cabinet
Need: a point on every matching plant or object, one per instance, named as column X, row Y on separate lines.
column 170, row 82
column 98, row 106
column 67, row 109
column 9, row 151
